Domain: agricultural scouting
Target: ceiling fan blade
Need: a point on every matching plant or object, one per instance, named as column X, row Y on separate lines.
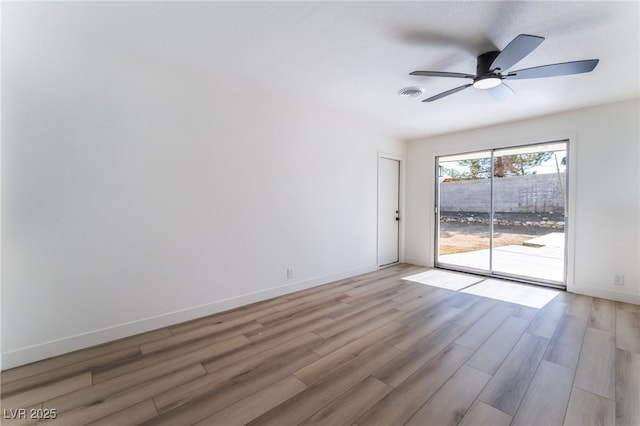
column 501, row 93
column 517, row 49
column 447, row 93
column 553, row 70
column 442, row 74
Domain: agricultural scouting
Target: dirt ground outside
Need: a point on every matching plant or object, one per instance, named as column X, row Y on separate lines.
column 461, row 237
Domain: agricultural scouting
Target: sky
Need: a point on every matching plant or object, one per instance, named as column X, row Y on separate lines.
column 548, row 166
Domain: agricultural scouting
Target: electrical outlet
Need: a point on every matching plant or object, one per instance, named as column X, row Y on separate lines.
column 618, row 279
column 289, row 273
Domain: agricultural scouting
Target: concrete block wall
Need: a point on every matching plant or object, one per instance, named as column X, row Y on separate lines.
column 512, row 194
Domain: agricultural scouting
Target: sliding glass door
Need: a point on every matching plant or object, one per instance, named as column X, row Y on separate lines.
column 465, row 211
column 502, row 212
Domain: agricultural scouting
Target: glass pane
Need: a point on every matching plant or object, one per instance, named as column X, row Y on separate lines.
column 464, row 211
column 529, row 195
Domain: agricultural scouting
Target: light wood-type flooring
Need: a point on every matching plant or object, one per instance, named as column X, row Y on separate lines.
column 370, row 350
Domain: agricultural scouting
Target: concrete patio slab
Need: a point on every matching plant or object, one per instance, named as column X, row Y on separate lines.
column 544, row 263
column 553, row 239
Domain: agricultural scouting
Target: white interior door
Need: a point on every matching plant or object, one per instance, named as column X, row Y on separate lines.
column 388, row 211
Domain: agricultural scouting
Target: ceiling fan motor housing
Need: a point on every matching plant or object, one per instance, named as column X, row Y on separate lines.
column 483, row 69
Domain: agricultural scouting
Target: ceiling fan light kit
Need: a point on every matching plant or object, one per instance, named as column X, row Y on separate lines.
column 492, row 66
column 487, row 82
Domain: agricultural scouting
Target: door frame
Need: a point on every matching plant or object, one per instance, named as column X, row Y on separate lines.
column 569, row 249
column 401, row 198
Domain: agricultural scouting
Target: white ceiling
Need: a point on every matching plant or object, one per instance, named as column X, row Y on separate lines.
column 355, row 56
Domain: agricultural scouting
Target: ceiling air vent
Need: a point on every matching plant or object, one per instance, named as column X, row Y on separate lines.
column 411, row 92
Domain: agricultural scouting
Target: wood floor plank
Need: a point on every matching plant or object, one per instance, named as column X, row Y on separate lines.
column 316, row 371
column 276, row 343
column 347, row 310
column 381, row 274
column 226, row 319
column 104, row 390
column 603, row 315
column 426, row 299
column 427, row 307
column 190, row 358
column 336, row 383
column 578, row 305
column 508, row 385
column 397, row 371
column 481, row 414
column 123, row 400
column 565, row 345
column 596, row 367
column 399, row 405
column 300, row 325
column 43, row 393
column 127, row 345
column 484, row 327
column 412, row 334
column 336, row 287
column 631, row 307
column 546, row 400
column 47, row 377
column 260, row 364
column 586, row 408
column 379, row 294
column 195, row 401
column 628, row 330
column 131, row 416
column 495, row 349
column 463, row 300
column 397, row 271
column 324, row 306
column 545, row 322
column 212, row 333
column 192, row 353
column 377, row 285
column 344, row 338
column 627, row 388
column 477, row 310
column 413, row 291
column 525, row 312
column 450, row 403
column 218, row 372
column 374, row 282
column 219, row 367
column 355, row 319
column 351, row 405
column 254, row 405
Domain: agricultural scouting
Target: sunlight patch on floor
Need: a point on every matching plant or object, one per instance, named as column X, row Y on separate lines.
column 522, row 294
column 506, row 291
column 442, row 279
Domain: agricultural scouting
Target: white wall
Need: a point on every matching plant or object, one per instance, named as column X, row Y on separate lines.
column 140, row 193
column 605, row 226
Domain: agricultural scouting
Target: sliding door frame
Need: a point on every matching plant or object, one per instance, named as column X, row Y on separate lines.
column 568, row 217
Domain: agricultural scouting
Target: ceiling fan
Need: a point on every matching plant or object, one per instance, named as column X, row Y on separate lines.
column 492, row 68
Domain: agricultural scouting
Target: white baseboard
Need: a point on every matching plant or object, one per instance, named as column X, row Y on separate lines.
column 619, row 296
column 417, row 261
column 64, row 345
